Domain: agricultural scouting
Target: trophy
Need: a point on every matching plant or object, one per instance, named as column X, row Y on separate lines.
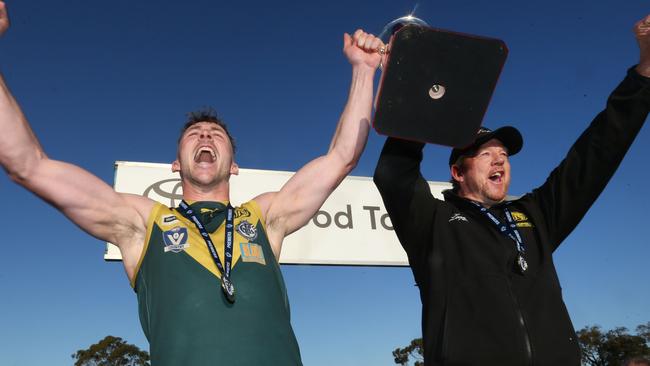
column 435, row 84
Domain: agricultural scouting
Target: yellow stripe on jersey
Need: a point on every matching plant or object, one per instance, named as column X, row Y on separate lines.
column 153, row 215
column 166, row 219
column 199, row 250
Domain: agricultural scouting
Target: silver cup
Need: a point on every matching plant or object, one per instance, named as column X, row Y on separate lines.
column 396, row 24
column 391, row 28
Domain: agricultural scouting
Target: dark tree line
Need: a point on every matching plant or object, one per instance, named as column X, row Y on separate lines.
column 598, row 348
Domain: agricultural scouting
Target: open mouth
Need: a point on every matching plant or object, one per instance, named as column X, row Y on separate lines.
column 496, row 177
column 205, row 155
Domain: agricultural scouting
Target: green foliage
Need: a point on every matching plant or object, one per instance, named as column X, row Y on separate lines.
column 111, row 351
column 613, row 347
column 415, row 350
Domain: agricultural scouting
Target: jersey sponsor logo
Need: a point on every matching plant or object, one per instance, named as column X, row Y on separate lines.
column 251, row 252
column 168, row 219
column 242, row 212
column 176, row 239
column 247, row 230
column 521, row 219
column 458, row 217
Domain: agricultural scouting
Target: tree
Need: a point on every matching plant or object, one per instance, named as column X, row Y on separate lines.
column 111, row 351
column 414, row 350
column 590, row 339
column 613, row 347
column 643, row 330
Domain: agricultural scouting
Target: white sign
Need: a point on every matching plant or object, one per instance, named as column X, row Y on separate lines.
column 352, row 227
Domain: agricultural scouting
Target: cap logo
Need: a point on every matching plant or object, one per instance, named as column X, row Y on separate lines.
column 483, row 130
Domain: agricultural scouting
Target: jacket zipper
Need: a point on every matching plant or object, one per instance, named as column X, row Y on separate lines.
column 522, row 324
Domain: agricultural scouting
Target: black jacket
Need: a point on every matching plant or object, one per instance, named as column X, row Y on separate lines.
column 476, row 308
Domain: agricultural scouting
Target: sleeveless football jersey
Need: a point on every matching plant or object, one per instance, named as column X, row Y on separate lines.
column 183, row 311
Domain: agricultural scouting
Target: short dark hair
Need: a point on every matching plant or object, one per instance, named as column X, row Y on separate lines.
column 206, row 114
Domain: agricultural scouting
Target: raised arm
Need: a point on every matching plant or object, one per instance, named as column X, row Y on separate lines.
column 85, row 199
column 406, row 195
column 575, row 184
column 300, row 198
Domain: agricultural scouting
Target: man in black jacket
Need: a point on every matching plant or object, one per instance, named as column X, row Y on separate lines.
column 489, row 290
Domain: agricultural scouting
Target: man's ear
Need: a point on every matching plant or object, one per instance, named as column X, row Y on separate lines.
column 176, row 166
column 234, row 169
column 456, row 173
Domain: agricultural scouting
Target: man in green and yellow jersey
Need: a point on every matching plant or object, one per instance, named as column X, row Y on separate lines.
column 206, row 274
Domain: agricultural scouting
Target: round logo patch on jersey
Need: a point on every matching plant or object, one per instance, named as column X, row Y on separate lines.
column 247, row 230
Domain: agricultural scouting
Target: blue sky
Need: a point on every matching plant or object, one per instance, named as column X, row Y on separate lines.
column 107, row 81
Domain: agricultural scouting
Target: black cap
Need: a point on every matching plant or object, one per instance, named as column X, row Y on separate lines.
column 509, row 137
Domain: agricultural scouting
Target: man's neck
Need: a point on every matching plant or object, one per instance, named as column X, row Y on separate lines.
column 483, row 202
column 219, row 193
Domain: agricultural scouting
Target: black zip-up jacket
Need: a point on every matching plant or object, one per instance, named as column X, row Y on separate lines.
column 476, row 307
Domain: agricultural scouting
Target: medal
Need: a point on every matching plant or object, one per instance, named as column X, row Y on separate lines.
column 510, row 231
column 228, row 289
column 521, row 262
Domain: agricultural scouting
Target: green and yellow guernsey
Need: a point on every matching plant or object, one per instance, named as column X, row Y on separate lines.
column 183, row 311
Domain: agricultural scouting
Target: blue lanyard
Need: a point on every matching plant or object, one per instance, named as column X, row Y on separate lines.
column 509, row 230
column 226, row 283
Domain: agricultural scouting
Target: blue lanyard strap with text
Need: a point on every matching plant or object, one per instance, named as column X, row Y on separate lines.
column 510, row 230
column 189, row 213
